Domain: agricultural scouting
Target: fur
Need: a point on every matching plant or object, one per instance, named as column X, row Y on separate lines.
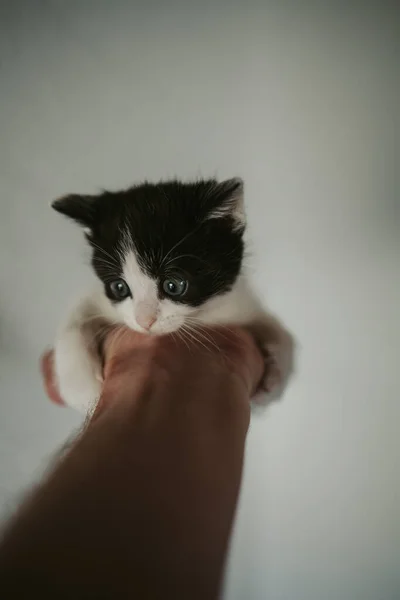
column 168, row 257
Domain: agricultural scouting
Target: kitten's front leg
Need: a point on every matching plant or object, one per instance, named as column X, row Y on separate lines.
column 77, row 360
column 77, row 371
column 241, row 306
column 278, row 347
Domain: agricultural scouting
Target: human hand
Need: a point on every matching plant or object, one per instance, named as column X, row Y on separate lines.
column 131, row 358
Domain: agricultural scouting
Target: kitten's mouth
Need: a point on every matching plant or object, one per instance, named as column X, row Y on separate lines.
column 154, row 333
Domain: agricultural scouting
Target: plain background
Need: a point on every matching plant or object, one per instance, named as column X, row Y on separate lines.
column 301, row 99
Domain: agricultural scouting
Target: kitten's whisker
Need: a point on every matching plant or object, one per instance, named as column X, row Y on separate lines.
column 179, row 243
column 182, row 337
column 187, row 256
column 92, row 316
column 173, row 333
column 192, row 337
column 105, row 262
column 220, row 327
column 201, row 326
column 191, row 334
column 102, row 321
column 104, row 252
column 122, row 331
column 197, row 330
column 100, row 334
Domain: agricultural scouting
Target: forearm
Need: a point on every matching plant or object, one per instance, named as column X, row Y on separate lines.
column 144, row 501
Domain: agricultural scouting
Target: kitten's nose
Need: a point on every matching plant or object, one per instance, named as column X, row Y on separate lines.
column 146, row 321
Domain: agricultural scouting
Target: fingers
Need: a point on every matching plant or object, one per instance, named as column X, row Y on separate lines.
column 244, row 355
column 50, row 386
column 254, row 364
column 235, row 345
column 123, row 348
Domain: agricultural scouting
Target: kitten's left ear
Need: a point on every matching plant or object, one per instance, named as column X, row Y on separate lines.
column 230, row 202
column 81, row 209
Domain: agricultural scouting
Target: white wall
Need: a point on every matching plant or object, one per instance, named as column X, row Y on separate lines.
column 303, row 103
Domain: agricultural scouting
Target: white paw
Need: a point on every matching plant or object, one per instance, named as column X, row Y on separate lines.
column 279, row 363
column 80, row 391
column 78, row 372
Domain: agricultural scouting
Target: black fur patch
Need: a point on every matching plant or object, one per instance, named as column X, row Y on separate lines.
column 168, row 226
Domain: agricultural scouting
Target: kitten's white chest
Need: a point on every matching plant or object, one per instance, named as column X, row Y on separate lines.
column 239, row 306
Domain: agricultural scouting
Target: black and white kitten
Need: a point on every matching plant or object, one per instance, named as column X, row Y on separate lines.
column 169, row 257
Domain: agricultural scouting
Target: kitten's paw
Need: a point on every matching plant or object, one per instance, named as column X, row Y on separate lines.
column 81, row 395
column 279, row 364
column 78, row 373
column 80, row 391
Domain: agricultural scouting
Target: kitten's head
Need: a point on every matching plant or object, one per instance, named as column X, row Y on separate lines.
column 163, row 250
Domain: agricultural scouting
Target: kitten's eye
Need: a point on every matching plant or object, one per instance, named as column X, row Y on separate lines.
column 119, row 289
column 175, row 286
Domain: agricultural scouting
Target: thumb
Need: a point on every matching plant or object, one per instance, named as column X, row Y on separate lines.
column 48, row 376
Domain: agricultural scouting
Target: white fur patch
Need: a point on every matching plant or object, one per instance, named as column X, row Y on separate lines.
column 77, row 367
column 238, row 306
column 145, row 311
column 143, row 308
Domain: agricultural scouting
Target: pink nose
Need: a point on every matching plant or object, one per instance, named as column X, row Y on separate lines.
column 146, row 321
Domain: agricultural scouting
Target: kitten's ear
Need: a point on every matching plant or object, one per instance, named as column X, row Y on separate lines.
column 230, row 202
column 81, row 209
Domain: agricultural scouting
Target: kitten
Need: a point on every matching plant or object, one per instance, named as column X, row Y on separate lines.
column 169, row 257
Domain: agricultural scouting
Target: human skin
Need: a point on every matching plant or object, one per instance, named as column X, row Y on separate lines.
column 142, row 504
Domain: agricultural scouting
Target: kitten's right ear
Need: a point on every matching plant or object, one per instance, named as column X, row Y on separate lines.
column 81, row 209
